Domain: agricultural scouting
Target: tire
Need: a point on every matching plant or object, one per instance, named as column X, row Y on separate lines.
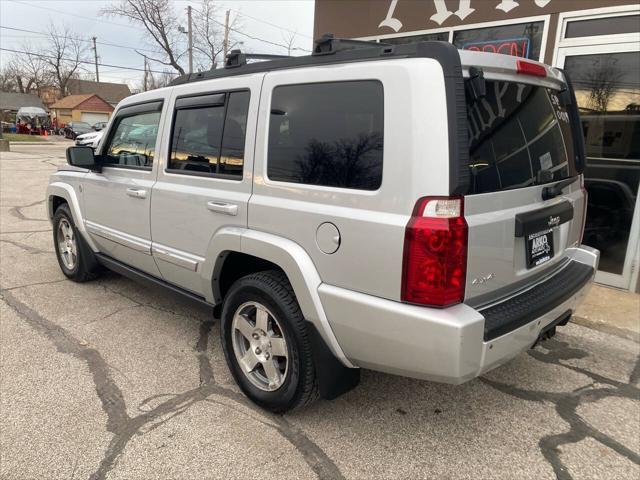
column 74, row 256
column 296, row 384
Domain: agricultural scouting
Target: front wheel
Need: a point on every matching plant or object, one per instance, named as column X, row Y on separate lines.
column 265, row 342
column 75, row 258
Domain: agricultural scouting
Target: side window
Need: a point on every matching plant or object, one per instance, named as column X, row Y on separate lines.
column 133, row 141
column 208, row 136
column 328, row 134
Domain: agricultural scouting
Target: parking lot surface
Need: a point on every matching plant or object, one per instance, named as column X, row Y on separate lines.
column 110, row 379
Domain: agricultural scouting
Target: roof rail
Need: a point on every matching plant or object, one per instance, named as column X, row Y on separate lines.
column 328, row 44
column 236, row 58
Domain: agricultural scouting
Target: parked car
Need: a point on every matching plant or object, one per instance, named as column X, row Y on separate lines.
column 91, row 139
column 73, row 129
column 99, row 126
column 416, row 210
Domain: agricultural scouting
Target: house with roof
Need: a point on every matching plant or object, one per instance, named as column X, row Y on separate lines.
column 111, row 92
column 11, row 102
column 90, row 108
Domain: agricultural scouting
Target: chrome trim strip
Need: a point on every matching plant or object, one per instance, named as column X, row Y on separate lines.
column 176, row 257
column 135, row 243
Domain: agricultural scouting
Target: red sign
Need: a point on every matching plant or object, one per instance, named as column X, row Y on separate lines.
column 517, row 47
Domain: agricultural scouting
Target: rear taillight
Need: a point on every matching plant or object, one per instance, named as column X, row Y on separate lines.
column 584, row 211
column 434, row 266
column 528, row 68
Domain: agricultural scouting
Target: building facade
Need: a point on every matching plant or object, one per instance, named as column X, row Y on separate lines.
column 88, row 108
column 597, row 42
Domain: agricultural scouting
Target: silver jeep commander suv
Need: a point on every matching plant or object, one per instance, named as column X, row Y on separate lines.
column 412, row 209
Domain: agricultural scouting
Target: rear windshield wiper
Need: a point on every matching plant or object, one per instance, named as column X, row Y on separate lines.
column 552, row 192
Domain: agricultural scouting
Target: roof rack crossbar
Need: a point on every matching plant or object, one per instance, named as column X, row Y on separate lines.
column 328, row 44
column 237, row 58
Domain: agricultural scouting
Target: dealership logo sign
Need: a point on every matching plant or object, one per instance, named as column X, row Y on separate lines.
column 443, row 12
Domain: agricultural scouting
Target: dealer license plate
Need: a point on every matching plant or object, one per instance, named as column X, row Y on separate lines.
column 539, row 248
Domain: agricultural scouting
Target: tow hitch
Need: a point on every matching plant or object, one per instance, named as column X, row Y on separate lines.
column 550, row 330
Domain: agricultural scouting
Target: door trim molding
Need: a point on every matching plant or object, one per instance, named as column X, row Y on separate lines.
column 176, row 257
column 135, row 243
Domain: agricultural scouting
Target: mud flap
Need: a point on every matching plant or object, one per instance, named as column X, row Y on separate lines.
column 334, row 379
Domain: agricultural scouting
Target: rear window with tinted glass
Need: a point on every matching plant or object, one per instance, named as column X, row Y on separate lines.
column 519, row 136
column 327, row 134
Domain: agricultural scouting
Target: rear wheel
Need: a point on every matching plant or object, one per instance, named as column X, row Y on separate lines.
column 265, row 342
column 75, row 258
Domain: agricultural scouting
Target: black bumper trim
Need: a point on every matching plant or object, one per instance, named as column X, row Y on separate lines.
column 535, row 302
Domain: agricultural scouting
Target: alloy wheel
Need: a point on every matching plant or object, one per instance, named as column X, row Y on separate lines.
column 259, row 346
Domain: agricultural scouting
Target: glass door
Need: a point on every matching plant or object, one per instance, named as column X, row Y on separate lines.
column 607, row 83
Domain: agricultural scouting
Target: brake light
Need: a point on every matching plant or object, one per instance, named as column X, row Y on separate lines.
column 527, row 68
column 434, row 266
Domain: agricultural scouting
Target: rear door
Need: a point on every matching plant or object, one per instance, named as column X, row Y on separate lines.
column 206, row 181
column 521, row 146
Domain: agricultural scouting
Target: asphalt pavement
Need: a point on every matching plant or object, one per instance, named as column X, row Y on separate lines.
column 110, row 379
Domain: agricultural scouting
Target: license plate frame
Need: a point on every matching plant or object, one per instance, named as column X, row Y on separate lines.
column 539, row 247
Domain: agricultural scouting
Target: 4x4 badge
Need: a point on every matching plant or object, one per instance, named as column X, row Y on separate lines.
column 481, row 280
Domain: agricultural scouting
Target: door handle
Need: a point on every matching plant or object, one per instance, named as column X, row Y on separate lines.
column 136, row 193
column 225, row 208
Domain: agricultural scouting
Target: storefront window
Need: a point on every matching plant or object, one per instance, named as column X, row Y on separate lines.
column 521, row 40
column 608, row 93
column 603, row 26
column 441, row 36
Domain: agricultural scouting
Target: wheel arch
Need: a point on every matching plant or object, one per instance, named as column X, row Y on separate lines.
column 255, row 251
column 58, row 193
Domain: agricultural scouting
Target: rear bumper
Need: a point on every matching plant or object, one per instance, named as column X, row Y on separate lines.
column 452, row 345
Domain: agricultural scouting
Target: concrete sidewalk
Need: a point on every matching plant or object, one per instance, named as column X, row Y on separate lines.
column 612, row 311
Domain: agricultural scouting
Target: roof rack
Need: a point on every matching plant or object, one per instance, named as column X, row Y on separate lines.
column 327, row 50
column 328, row 44
column 236, row 58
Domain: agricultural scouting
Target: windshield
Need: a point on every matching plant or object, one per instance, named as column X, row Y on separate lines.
column 519, row 136
column 81, row 125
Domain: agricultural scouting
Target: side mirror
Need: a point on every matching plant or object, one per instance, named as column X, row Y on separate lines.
column 82, row 157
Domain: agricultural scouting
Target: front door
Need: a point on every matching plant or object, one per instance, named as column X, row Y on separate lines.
column 117, row 200
column 206, row 181
column 606, row 79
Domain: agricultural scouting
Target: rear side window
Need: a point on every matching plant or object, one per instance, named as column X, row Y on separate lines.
column 209, row 133
column 519, row 136
column 327, row 134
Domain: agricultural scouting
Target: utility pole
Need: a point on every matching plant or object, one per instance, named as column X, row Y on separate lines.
column 95, row 55
column 146, row 75
column 190, row 35
column 226, row 36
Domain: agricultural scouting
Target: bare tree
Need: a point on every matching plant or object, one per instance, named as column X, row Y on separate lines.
column 208, row 35
column 289, row 40
column 31, row 70
column 603, row 79
column 7, row 80
column 160, row 80
column 64, row 55
column 159, row 20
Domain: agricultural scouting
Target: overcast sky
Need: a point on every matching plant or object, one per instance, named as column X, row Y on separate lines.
column 260, row 19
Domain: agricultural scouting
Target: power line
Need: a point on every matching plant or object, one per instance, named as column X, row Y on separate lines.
column 44, row 34
column 271, row 24
column 93, row 19
column 41, row 55
column 253, row 37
